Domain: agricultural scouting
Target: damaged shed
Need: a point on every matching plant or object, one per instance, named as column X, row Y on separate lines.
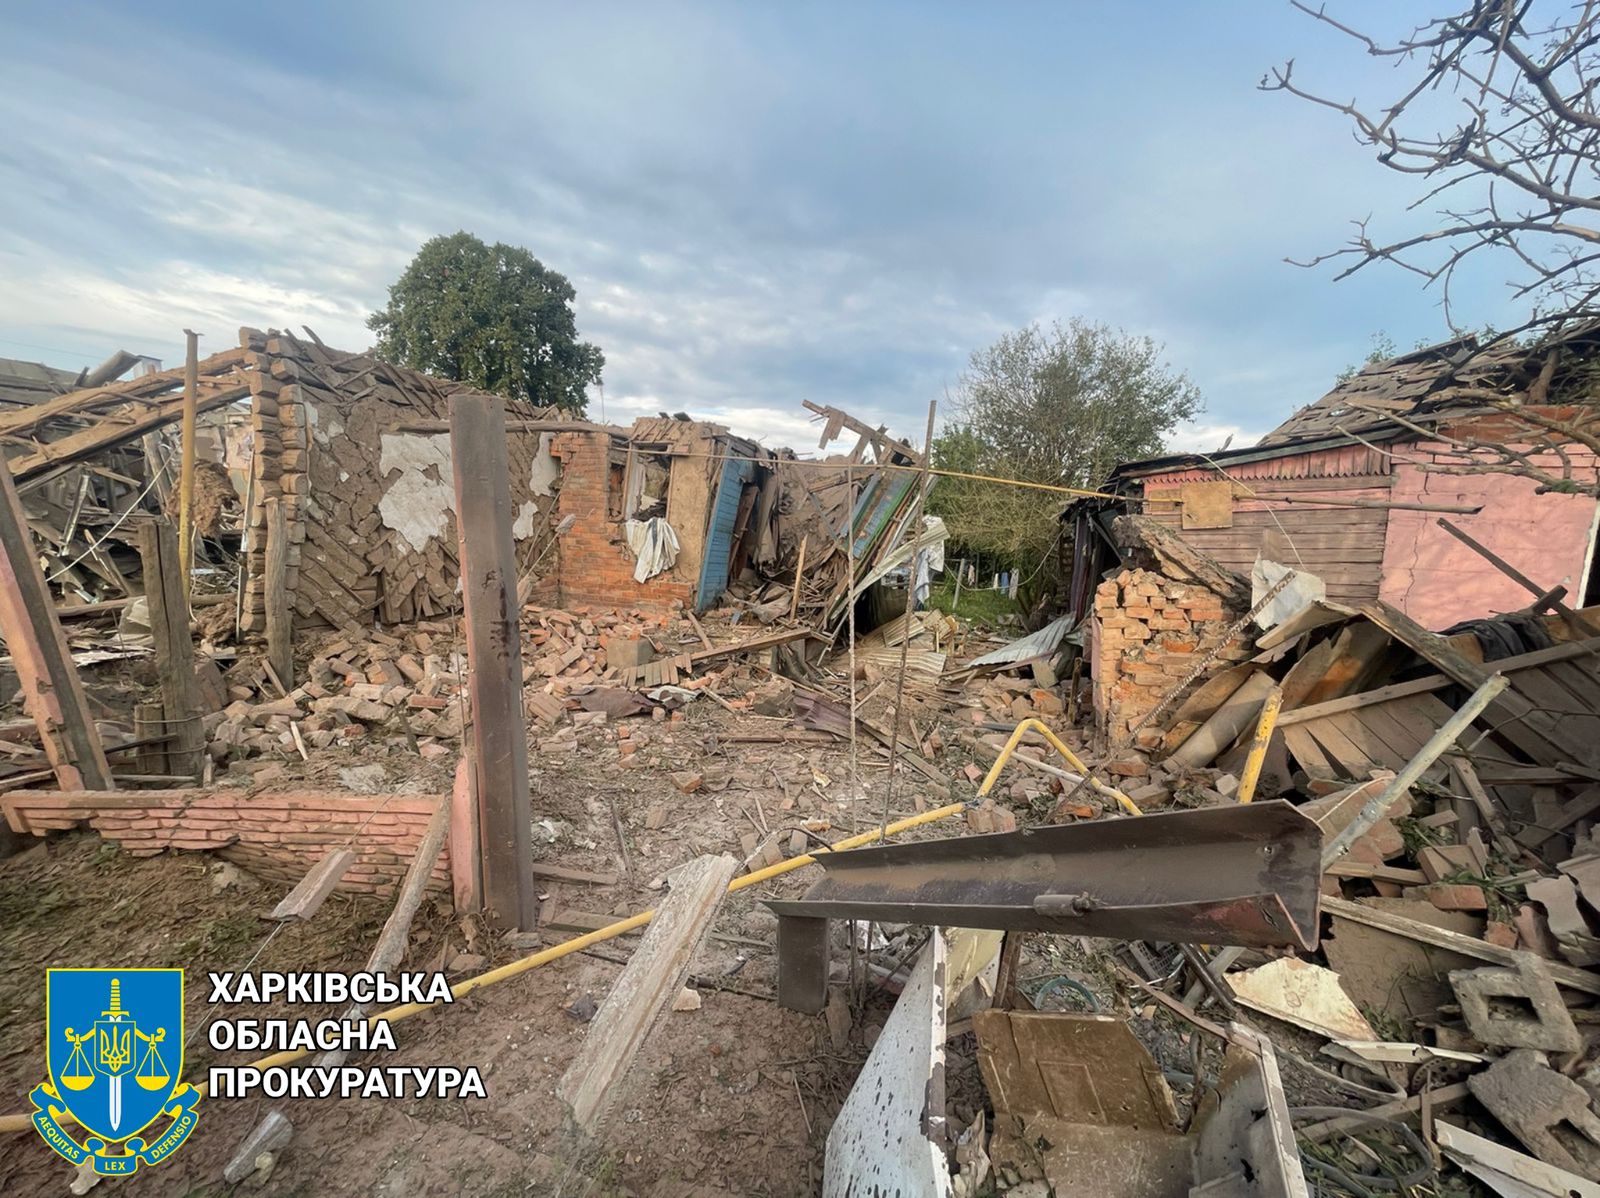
column 1349, row 487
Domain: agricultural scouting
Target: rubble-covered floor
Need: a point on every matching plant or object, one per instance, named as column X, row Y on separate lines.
column 735, row 1097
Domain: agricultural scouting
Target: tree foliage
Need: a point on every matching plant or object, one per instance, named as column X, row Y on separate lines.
column 492, row 316
column 1061, row 405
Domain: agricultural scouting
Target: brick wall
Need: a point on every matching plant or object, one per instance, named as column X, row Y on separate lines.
column 276, row 836
column 1146, row 634
column 594, row 565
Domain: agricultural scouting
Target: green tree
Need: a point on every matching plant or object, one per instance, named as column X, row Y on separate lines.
column 492, row 316
column 1061, row 405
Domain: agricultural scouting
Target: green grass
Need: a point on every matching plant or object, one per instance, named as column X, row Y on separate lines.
column 982, row 607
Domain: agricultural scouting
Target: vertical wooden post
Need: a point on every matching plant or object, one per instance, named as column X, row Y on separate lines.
column 150, row 720
column 52, row 692
column 169, row 626
column 466, row 841
column 498, row 736
column 280, row 618
column 799, row 578
column 915, row 532
column 191, row 403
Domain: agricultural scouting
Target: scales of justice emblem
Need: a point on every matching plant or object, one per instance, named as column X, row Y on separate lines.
column 107, row 1030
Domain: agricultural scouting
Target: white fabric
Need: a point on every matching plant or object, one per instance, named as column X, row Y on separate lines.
column 653, row 544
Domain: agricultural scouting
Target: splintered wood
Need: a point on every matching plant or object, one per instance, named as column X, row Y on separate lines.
column 647, row 984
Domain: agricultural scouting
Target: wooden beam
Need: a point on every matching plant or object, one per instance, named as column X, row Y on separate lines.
column 876, row 436
column 51, row 689
column 390, row 949
column 1398, row 690
column 191, row 416
column 169, row 628
column 498, row 734
column 650, row 980
column 114, row 430
column 1540, row 735
column 280, row 614
column 1577, row 623
column 1562, row 974
column 309, row 893
column 83, row 402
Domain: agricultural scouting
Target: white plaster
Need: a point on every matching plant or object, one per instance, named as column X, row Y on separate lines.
column 544, row 471
column 527, row 518
column 416, row 506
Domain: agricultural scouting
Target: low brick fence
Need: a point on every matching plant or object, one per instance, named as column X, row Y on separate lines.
column 277, row 836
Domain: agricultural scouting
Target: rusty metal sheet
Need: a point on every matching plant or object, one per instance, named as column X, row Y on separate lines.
column 1245, row 875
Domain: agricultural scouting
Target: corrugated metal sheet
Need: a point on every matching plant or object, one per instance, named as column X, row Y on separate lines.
column 1035, row 644
column 1342, row 461
column 719, row 536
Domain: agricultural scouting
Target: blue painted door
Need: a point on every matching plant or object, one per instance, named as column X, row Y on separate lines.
column 719, row 534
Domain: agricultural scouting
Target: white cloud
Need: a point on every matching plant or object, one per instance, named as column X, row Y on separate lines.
column 1210, row 438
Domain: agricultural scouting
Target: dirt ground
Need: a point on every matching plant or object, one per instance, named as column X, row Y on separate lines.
column 734, row 1098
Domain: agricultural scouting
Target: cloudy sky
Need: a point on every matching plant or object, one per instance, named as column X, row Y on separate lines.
column 757, row 204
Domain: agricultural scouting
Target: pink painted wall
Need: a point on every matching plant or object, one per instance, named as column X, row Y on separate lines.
column 1438, row 581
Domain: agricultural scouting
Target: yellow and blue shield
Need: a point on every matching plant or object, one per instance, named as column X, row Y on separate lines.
column 115, row 1051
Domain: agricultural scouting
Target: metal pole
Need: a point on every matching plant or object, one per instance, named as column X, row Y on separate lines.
column 911, row 605
column 1258, row 747
column 1376, row 808
column 191, row 405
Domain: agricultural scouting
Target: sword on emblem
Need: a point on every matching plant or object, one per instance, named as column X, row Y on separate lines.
column 115, row 1050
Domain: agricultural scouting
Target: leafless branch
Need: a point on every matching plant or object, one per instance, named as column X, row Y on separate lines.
column 1496, row 100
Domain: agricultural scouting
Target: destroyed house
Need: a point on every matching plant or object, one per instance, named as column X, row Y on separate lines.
column 349, row 457
column 1352, row 487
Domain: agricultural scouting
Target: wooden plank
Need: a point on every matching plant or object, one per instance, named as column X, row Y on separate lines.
column 1350, row 745
column 561, row 873
column 1512, row 714
column 1508, row 1172
column 1299, row 741
column 309, row 893
column 280, row 612
column 1304, row 675
column 1357, row 650
column 1564, row 975
column 51, row 689
column 169, row 628
column 494, row 656
column 650, row 980
column 390, row 948
column 113, row 431
column 1397, row 690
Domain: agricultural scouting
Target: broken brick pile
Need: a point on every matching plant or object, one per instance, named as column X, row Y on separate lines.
column 406, row 684
column 1146, row 633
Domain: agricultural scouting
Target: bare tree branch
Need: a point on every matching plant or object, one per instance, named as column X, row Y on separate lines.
column 1501, row 96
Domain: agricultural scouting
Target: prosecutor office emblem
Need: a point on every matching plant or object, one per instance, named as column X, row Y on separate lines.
column 115, row 1052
